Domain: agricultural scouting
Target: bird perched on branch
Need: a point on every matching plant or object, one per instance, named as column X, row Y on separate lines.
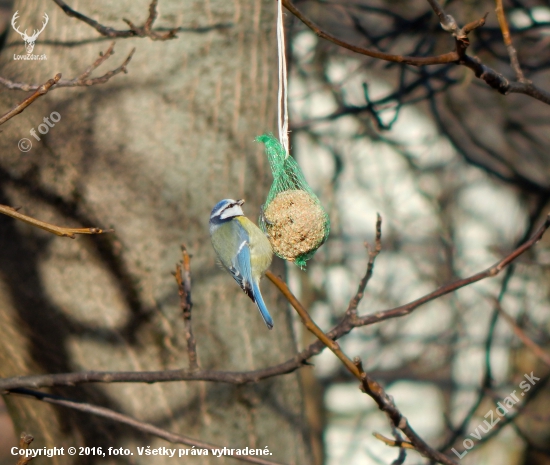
column 242, row 249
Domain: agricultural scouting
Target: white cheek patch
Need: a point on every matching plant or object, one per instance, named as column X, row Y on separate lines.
column 231, row 212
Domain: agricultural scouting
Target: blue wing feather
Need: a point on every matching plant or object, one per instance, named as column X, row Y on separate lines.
column 261, row 305
column 241, row 270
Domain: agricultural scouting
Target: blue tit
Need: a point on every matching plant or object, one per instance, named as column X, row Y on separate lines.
column 242, row 249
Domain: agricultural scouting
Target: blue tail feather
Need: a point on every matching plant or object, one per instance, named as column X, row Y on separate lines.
column 261, row 306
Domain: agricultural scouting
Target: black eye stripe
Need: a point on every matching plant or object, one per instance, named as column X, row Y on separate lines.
column 221, row 210
column 224, row 211
column 229, row 206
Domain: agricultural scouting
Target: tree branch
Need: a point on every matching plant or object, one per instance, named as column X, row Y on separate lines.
column 139, row 425
column 373, row 253
column 386, row 404
column 298, row 361
column 183, row 278
column 24, row 443
column 450, row 57
column 57, row 230
column 448, row 288
column 355, row 367
column 508, row 41
column 134, row 31
column 39, row 92
column 448, row 23
column 491, row 77
column 83, row 79
column 393, row 442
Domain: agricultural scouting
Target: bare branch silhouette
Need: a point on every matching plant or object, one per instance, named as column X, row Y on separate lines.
column 134, row 31
column 81, row 81
column 57, row 230
column 298, row 361
column 138, row 425
column 39, row 92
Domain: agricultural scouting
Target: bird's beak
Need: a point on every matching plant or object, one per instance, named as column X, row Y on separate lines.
column 240, row 202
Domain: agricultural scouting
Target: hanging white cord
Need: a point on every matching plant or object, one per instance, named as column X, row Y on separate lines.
column 282, row 96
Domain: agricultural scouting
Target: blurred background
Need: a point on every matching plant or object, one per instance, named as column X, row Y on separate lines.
column 461, row 176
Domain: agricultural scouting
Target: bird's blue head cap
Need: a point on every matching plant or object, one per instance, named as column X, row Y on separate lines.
column 225, row 210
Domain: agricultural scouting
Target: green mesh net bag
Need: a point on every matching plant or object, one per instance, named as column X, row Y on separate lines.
column 292, row 216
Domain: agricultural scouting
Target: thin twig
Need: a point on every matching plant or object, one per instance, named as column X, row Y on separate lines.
column 508, row 41
column 102, row 57
column 400, row 460
column 139, row 425
column 134, row 31
column 146, row 31
column 393, row 442
column 472, row 25
column 386, row 404
column 183, row 278
column 448, row 23
column 84, row 81
column 80, row 81
column 24, row 442
column 58, row 230
column 529, row 343
column 40, row 91
column 373, row 253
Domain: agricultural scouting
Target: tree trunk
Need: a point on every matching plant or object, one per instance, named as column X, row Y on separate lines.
column 148, row 153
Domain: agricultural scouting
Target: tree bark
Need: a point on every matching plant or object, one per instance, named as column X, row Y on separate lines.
column 148, row 153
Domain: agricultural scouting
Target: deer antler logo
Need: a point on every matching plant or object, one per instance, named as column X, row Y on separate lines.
column 29, row 40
